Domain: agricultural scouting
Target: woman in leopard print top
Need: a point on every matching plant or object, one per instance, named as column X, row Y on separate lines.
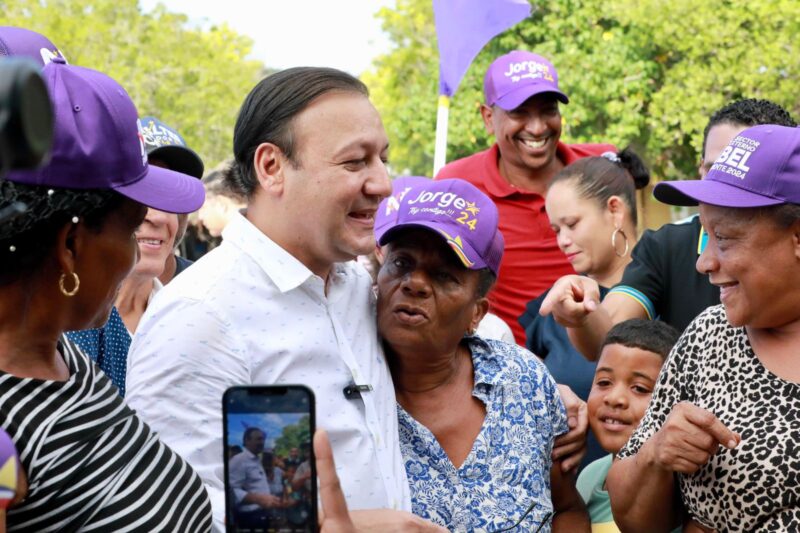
column 724, row 420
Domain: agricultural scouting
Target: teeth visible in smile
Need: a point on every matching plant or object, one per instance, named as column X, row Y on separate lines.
column 154, row 242
column 534, row 144
column 613, row 422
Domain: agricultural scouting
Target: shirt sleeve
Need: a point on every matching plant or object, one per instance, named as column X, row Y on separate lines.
column 643, row 279
column 237, row 476
column 676, row 383
column 182, row 359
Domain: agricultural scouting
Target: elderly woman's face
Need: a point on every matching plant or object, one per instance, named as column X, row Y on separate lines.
column 754, row 262
column 109, row 256
column 426, row 298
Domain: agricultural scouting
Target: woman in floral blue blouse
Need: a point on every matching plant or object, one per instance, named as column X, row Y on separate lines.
column 478, row 418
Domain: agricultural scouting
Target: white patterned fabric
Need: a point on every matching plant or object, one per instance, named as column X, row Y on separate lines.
column 506, row 477
column 250, row 313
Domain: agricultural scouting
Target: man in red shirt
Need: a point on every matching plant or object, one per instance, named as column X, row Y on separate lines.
column 521, row 111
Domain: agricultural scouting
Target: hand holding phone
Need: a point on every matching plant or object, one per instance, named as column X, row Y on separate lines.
column 270, row 471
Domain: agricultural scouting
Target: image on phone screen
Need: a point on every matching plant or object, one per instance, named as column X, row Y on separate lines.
column 270, row 476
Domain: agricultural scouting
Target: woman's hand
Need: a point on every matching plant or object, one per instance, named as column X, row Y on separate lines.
column 571, row 300
column 688, row 439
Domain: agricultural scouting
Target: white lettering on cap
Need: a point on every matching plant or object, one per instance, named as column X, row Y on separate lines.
column 140, row 134
column 733, row 159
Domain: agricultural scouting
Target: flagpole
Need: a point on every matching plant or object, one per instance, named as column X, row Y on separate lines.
column 440, row 148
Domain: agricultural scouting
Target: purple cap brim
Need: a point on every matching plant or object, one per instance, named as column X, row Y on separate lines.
column 166, row 190
column 517, row 97
column 467, row 255
column 711, row 192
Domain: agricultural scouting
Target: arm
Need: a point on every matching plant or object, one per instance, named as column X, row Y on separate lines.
column 182, row 359
column 643, row 488
column 570, row 511
column 615, row 308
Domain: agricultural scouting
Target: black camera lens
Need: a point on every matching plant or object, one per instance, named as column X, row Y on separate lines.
column 26, row 116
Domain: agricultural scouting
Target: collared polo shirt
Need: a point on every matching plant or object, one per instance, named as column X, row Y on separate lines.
column 249, row 312
column 532, row 261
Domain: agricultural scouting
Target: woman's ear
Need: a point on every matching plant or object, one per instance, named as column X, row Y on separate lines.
column 616, row 207
column 480, row 310
column 796, row 238
column 68, row 244
column 269, row 163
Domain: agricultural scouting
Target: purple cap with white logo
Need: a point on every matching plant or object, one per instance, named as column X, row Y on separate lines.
column 389, row 207
column 98, row 144
column 760, row 167
column 516, row 76
column 22, row 42
column 460, row 213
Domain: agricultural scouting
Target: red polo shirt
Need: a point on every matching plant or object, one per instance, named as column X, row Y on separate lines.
column 532, row 261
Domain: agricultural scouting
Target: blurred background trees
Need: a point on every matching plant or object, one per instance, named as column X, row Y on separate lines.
column 641, row 72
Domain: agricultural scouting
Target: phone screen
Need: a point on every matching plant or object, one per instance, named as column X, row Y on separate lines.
column 270, row 475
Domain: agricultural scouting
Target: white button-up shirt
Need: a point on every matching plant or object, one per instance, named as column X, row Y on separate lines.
column 246, row 475
column 251, row 313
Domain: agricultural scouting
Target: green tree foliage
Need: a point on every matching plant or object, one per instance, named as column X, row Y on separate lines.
column 641, row 72
column 293, row 436
column 192, row 79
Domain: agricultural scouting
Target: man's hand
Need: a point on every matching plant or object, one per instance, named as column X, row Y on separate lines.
column 334, row 517
column 267, row 501
column 688, row 439
column 389, row 521
column 570, row 447
column 571, row 299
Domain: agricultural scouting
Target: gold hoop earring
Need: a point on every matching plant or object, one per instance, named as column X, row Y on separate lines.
column 74, row 290
column 614, row 242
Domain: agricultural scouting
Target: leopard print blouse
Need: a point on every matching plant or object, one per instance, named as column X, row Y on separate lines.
column 755, row 487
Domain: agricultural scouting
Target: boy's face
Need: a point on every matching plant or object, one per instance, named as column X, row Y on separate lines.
column 623, row 383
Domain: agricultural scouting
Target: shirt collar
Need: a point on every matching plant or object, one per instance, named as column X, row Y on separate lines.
column 485, row 363
column 498, row 186
column 285, row 270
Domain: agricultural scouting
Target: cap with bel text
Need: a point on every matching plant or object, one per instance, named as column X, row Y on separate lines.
column 513, row 78
column 460, row 213
column 759, row 167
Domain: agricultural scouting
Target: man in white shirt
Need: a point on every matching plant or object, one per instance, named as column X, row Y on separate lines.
column 281, row 301
column 249, row 481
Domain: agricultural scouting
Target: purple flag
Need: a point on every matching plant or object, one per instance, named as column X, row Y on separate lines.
column 463, row 27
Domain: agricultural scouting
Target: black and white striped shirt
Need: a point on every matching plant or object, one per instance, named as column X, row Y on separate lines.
column 91, row 464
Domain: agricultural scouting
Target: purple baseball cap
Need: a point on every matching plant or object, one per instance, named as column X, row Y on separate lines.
column 518, row 75
column 460, row 213
column 389, row 206
column 760, row 167
column 26, row 43
column 98, row 144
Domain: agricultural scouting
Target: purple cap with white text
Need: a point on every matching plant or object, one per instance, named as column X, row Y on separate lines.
column 760, row 167
column 389, row 206
column 461, row 214
column 98, row 144
column 21, row 42
column 518, row 75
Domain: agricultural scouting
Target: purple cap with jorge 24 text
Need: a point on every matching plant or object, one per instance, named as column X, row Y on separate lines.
column 461, row 214
column 513, row 78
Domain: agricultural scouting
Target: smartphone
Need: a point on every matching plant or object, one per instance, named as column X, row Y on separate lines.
column 270, row 474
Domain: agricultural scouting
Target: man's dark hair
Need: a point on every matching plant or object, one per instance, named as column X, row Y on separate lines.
column 249, row 432
column 269, row 110
column 749, row 112
column 650, row 335
column 27, row 239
